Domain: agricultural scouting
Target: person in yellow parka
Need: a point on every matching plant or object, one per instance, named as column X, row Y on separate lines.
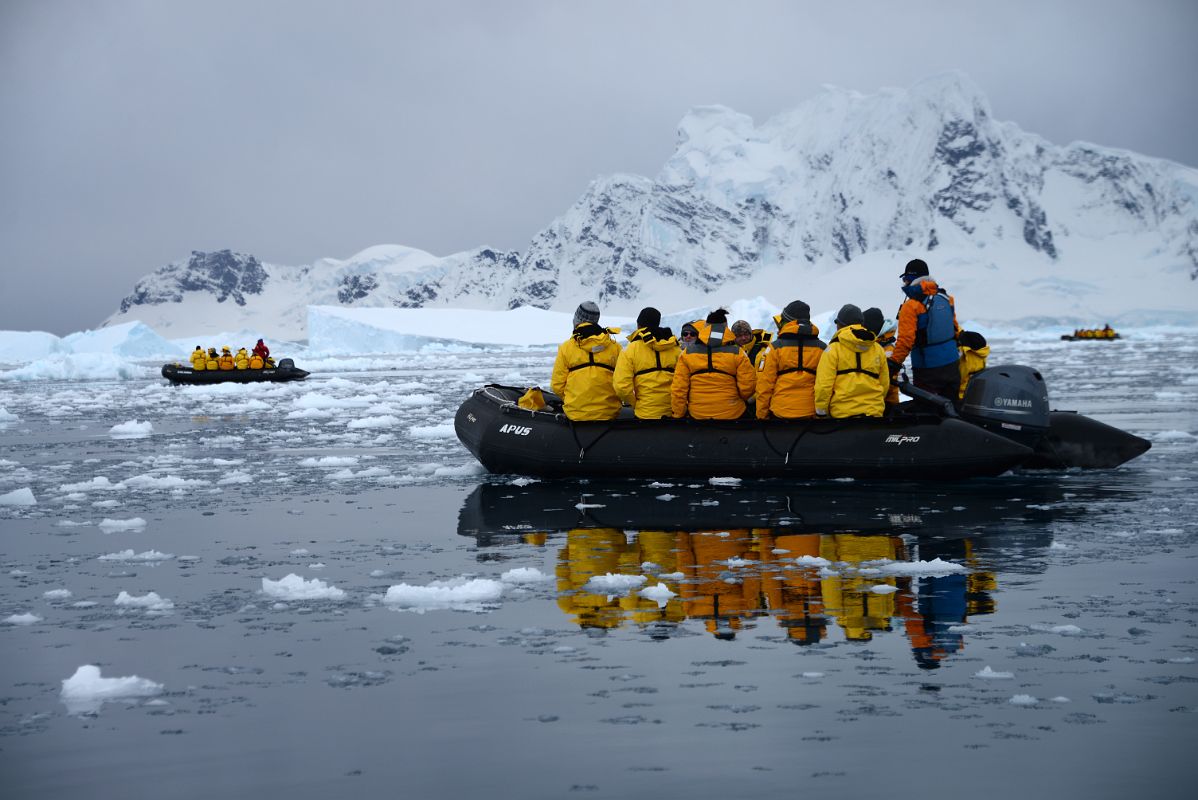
column 226, row 359
column 786, row 379
column 713, row 377
column 974, row 352
column 583, row 369
column 852, row 378
column 256, row 361
column 645, row 368
column 886, row 330
column 213, row 360
column 199, row 359
column 242, row 359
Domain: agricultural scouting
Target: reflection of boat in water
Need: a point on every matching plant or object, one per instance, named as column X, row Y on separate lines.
column 1005, row 422
column 825, row 564
column 495, row 512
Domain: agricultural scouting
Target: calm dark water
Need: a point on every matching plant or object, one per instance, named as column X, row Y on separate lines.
column 795, row 653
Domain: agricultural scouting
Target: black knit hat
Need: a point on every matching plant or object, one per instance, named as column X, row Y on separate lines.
column 649, row 317
column 848, row 314
column 873, row 319
column 971, row 339
column 916, row 268
column 587, row 312
column 797, row 310
column 717, row 317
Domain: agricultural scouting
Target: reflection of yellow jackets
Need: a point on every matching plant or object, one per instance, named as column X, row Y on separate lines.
column 713, row 590
column 786, row 380
column 582, row 373
column 589, row 552
column 852, row 378
column 644, row 372
column 656, row 548
column 858, row 610
column 971, row 362
column 712, row 382
column 198, row 359
column 794, row 595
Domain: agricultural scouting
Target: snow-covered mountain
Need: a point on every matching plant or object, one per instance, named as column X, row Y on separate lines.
column 821, row 202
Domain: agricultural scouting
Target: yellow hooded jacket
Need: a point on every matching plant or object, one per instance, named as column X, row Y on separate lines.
column 712, row 382
column 199, row 359
column 644, row 372
column 582, row 373
column 852, row 378
column 972, row 361
column 786, row 380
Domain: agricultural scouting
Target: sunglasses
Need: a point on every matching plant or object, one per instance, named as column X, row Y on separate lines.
column 689, row 335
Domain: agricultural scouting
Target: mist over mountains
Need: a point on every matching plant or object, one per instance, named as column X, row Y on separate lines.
column 823, row 201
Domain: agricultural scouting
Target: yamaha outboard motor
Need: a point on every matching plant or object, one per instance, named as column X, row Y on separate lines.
column 1009, row 400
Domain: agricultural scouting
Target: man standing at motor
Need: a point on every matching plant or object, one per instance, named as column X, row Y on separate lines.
column 927, row 330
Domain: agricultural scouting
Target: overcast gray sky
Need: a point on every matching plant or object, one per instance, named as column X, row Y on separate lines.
column 135, row 131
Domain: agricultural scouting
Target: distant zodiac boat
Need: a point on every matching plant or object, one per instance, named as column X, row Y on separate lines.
column 285, row 371
column 1004, row 423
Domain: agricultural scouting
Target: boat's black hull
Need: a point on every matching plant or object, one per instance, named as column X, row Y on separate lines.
column 185, row 375
column 509, row 439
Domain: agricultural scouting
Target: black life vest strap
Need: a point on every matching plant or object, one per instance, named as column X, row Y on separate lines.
column 591, row 363
column 858, row 368
column 658, row 368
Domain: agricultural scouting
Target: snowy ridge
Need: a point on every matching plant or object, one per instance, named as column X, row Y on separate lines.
column 808, row 202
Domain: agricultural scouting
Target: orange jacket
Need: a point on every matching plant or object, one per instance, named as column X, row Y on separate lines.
column 786, row 381
column 908, row 318
column 712, row 382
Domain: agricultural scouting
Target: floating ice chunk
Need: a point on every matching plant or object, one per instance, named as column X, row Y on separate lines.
column 316, row 565
column 128, row 555
column 66, row 523
column 990, row 674
column 936, row 566
column 106, row 504
column 1023, row 700
column 57, row 594
column 462, row 471
column 86, row 691
column 614, row 584
column 301, row 551
column 812, row 675
column 883, row 588
column 523, row 575
column 67, row 367
column 1060, row 699
column 724, row 481
column 21, row 619
column 330, row 461
column 585, row 506
column 148, row 482
column 445, row 431
column 18, row 497
column 1172, row 436
column 737, row 561
column 1063, row 630
column 150, row 601
column 370, row 423
column 7, row 416
column 96, row 483
column 812, row 561
column 659, row 594
column 666, row 497
column 523, row 481
column 131, row 429
column 108, row 525
column 1182, row 660
column 463, row 594
column 672, row 576
column 293, row 587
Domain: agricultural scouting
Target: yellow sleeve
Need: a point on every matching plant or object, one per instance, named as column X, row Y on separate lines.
column 623, row 377
column 825, row 376
column 746, row 376
column 560, row 371
column 680, row 388
column 766, row 380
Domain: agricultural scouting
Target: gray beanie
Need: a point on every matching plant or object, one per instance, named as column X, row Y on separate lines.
column 848, row 314
column 797, row 310
column 587, row 312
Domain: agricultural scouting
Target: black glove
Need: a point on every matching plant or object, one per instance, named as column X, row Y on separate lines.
column 893, row 366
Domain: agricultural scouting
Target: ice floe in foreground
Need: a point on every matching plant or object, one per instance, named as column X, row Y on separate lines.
column 87, row 690
column 21, row 619
column 19, row 497
column 293, row 587
column 461, row 594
